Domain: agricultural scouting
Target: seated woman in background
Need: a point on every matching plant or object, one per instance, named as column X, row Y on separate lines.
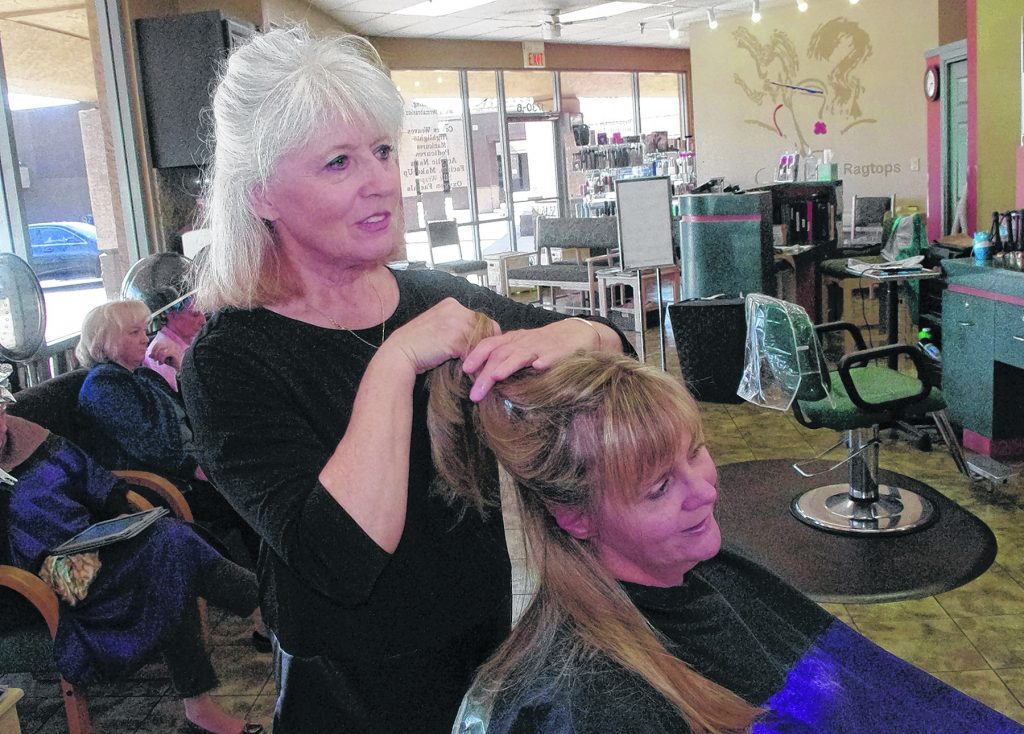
column 180, row 322
column 640, row 623
column 138, row 422
column 123, row 602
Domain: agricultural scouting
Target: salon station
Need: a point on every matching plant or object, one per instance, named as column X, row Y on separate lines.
column 810, row 212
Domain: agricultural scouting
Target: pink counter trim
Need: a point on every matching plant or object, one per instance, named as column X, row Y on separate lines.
column 1015, row 300
column 705, row 218
column 996, row 448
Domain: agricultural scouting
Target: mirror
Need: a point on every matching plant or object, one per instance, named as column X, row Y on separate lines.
column 22, row 310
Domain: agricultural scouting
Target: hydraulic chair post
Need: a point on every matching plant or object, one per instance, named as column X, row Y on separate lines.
column 863, row 505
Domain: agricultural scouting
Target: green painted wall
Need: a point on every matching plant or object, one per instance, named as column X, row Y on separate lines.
column 998, row 48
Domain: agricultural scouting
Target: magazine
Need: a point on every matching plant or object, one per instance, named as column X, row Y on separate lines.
column 108, row 532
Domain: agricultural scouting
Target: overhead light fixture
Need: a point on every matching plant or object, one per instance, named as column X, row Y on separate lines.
column 603, row 10
column 435, row 8
column 712, row 20
column 755, row 14
column 673, row 32
column 854, row 2
column 801, row 5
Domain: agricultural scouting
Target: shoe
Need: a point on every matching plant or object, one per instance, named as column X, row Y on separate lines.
column 261, row 642
column 247, row 728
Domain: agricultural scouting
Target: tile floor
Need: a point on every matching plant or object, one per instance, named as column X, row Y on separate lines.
column 971, row 637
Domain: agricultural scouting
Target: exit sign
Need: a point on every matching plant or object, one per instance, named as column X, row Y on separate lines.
column 533, row 54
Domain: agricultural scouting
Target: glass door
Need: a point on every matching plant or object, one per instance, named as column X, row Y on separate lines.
column 534, row 163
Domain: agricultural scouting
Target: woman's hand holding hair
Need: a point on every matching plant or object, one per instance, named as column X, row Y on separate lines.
column 497, row 357
column 368, row 474
column 438, row 334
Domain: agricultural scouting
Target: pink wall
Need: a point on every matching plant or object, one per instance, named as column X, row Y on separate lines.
column 934, row 127
column 1020, row 177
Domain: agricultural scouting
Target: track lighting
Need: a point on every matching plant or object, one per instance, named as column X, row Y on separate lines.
column 673, row 32
column 755, row 14
column 801, row 5
column 712, row 20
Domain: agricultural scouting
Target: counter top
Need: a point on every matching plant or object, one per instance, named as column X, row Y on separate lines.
column 984, row 277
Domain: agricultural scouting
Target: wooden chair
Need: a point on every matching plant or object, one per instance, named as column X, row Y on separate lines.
column 30, row 609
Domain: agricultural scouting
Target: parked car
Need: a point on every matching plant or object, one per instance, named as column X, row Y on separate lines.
column 63, row 250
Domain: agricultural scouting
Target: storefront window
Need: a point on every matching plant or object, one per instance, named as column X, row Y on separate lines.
column 66, row 187
column 659, row 104
column 529, row 92
column 432, row 153
column 488, row 174
column 605, row 101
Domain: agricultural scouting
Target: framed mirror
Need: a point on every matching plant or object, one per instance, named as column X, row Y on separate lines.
column 22, row 310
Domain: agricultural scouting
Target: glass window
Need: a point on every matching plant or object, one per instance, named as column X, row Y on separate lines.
column 604, row 99
column 67, row 185
column 432, row 153
column 659, row 104
column 484, row 121
column 529, row 92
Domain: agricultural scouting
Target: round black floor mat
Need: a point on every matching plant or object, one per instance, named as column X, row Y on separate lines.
column 754, row 514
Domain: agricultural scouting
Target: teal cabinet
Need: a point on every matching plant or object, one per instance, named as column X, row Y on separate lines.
column 967, row 359
column 1009, row 334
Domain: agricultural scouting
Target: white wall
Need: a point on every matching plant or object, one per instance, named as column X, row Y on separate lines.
column 867, row 58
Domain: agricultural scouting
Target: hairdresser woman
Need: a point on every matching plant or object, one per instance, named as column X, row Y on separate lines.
column 307, row 394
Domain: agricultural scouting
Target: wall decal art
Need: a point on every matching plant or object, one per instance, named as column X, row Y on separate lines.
column 815, row 93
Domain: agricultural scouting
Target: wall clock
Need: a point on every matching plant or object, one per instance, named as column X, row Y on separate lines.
column 931, row 82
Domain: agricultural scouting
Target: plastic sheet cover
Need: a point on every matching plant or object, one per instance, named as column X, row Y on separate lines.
column 783, row 359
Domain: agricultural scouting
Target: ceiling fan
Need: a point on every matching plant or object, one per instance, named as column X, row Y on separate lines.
column 551, row 27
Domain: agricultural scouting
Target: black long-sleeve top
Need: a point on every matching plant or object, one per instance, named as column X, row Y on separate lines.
column 270, row 398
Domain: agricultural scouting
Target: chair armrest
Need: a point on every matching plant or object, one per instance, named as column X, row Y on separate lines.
column 607, row 258
column 137, row 501
column 32, row 588
column 847, row 326
column 160, row 487
column 856, row 359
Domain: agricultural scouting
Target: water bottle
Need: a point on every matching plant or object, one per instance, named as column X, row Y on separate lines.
column 982, row 247
column 926, row 344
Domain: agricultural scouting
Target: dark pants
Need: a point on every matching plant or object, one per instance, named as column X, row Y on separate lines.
column 418, row 691
column 223, row 584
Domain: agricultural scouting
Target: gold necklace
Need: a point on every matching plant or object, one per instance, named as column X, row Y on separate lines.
column 336, row 325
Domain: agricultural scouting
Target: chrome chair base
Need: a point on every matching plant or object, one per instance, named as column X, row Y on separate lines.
column 833, row 508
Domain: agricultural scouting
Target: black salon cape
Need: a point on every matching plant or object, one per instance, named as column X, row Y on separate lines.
column 749, row 631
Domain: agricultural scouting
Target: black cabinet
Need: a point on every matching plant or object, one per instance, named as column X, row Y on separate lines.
column 179, row 57
column 808, row 211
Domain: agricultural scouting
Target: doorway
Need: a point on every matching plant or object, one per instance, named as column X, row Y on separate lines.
column 954, row 174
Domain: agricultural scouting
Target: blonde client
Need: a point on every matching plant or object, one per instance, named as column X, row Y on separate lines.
column 640, row 623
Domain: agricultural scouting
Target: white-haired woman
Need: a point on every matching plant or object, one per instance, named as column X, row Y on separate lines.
column 136, row 420
column 307, row 396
